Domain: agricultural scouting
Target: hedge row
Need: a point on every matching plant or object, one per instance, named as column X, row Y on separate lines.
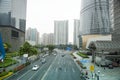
column 83, row 55
column 4, row 75
column 7, row 62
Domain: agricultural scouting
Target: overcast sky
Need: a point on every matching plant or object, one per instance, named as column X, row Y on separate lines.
column 42, row 13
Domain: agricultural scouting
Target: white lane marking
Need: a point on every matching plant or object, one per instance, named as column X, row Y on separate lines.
column 43, row 78
column 35, row 73
column 73, row 70
column 65, row 69
column 40, row 77
column 24, row 74
column 64, row 62
column 70, row 63
column 56, row 70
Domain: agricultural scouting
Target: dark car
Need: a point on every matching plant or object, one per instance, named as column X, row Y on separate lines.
column 43, row 61
column 63, row 55
column 110, row 66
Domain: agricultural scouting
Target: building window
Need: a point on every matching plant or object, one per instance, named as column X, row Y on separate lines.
column 14, row 34
column 22, row 24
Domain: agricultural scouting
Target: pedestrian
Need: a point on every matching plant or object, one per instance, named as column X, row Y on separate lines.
column 104, row 67
column 86, row 73
column 97, row 77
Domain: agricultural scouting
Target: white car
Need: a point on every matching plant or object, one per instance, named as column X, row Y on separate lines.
column 35, row 67
column 54, row 54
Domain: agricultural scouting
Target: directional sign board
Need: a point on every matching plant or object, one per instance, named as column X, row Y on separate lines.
column 92, row 68
column 68, row 48
column 84, row 61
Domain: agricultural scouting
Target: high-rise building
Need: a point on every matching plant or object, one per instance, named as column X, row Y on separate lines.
column 51, row 39
column 76, row 32
column 47, row 39
column 32, row 36
column 13, row 22
column 94, row 19
column 115, row 19
column 61, row 32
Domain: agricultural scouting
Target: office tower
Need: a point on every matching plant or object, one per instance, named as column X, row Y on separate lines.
column 61, row 32
column 76, row 32
column 13, row 22
column 115, row 19
column 94, row 19
column 32, row 36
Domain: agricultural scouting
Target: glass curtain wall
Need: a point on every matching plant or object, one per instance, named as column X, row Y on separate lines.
column 95, row 17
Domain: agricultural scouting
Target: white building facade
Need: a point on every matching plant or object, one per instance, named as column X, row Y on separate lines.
column 61, row 32
column 76, row 32
column 47, row 39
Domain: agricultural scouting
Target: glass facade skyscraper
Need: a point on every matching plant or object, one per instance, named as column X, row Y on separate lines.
column 32, row 35
column 13, row 22
column 13, row 13
column 94, row 17
column 115, row 19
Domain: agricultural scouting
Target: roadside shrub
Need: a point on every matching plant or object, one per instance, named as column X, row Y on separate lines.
column 83, row 55
column 7, row 62
column 3, row 74
column 27, row 63
column 6, row 75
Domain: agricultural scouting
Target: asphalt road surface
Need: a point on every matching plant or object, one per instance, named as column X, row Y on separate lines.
column 59, row 67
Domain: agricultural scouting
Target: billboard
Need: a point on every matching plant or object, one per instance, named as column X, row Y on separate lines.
column 2, row 50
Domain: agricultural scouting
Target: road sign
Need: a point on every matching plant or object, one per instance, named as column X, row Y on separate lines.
column 92, row 68
column 68, row 48
column 84, row 61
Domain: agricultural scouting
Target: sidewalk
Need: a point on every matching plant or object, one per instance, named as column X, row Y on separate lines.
column 105, row 74
column 14, row 65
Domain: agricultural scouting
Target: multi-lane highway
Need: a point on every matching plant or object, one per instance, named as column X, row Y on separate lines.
column 59, row 67
column 29, row 74
column 62, row 68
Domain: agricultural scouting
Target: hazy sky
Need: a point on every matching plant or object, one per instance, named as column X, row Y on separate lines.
column 42, row 13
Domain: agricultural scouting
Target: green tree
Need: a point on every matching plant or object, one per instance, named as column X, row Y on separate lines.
column 28, row 49
column 75, row 47
column 51, row 47
column 25, row 49
column 33, row 51
column 7, row 47
column 21, row 50
column 92, row 48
